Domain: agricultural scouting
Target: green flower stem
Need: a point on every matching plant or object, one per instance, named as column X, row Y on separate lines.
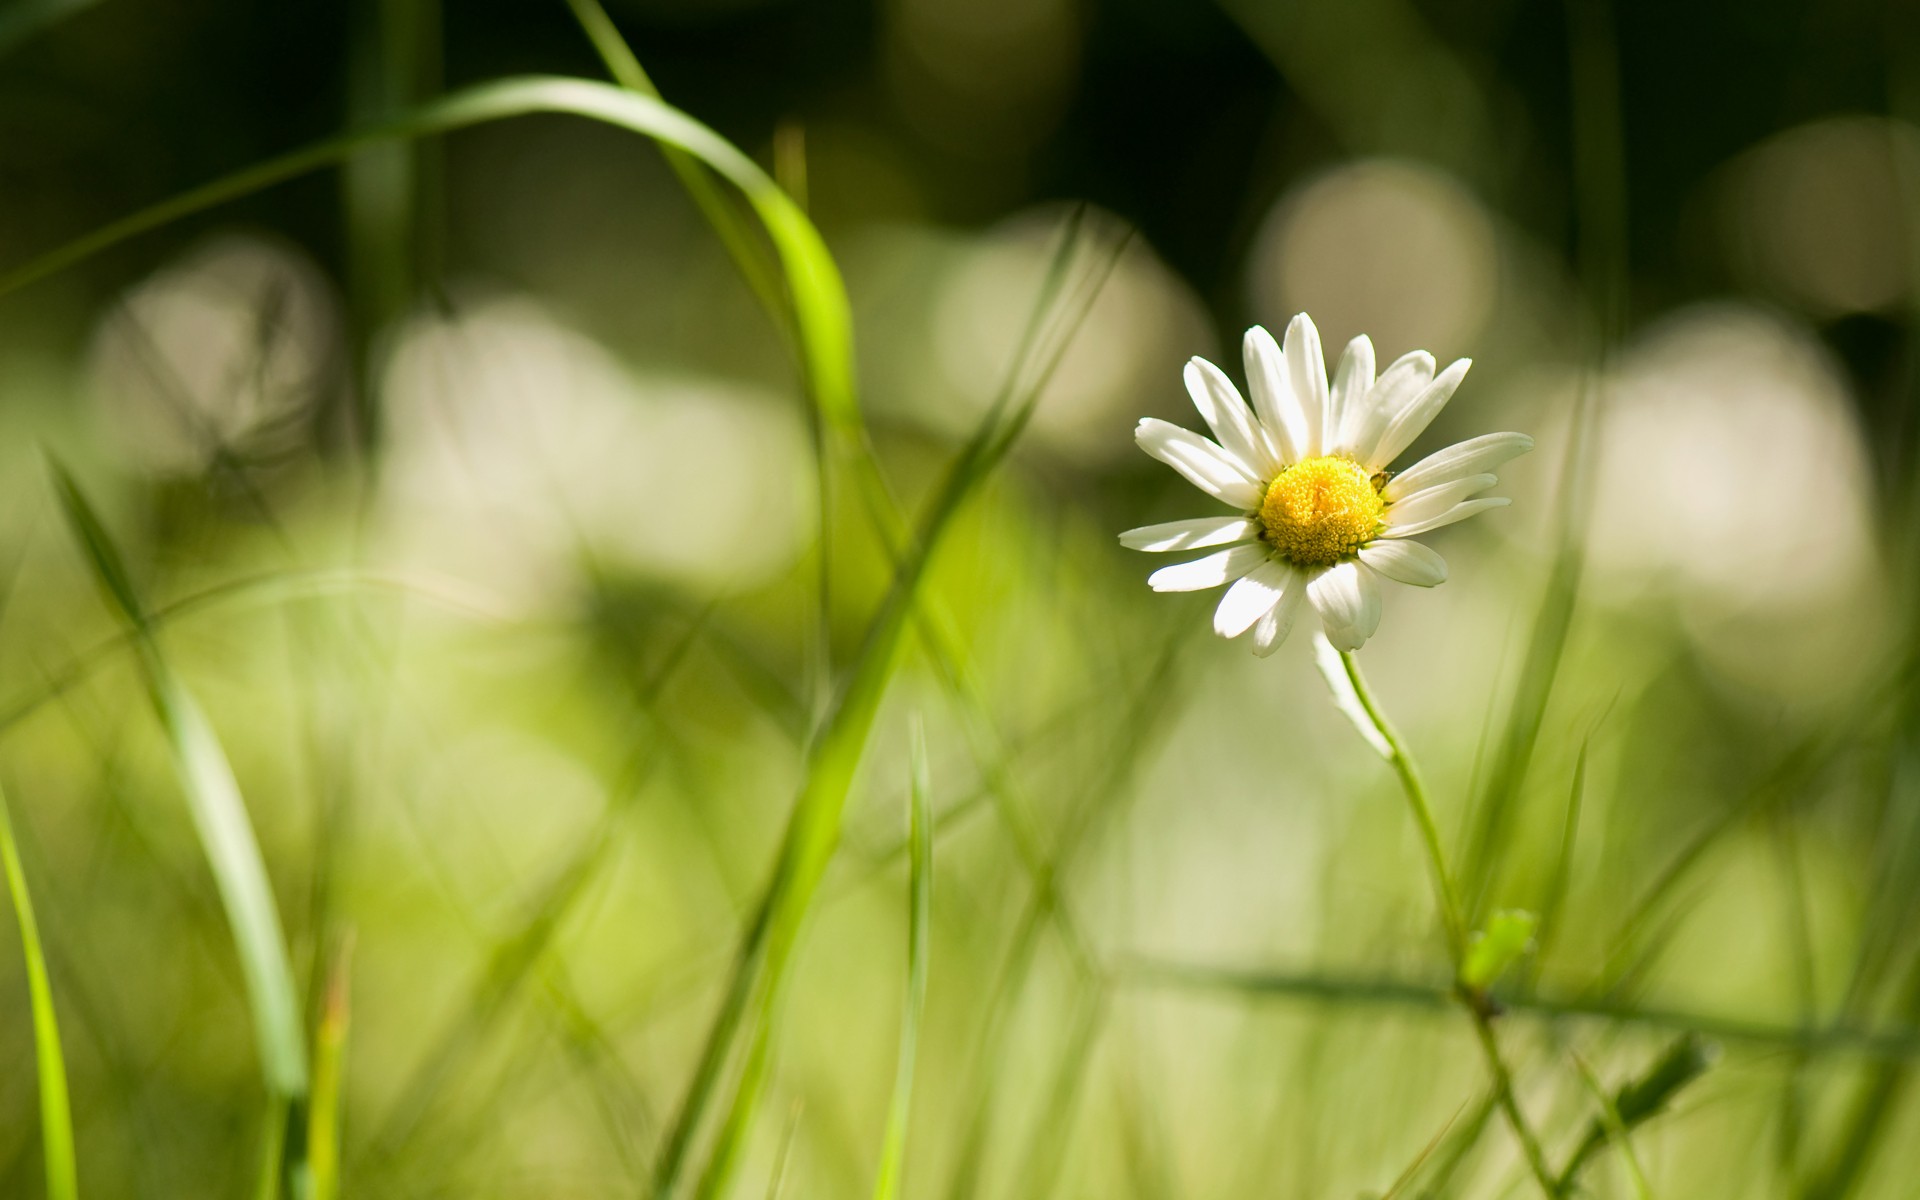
column 1455, row 926
column 1410, row 782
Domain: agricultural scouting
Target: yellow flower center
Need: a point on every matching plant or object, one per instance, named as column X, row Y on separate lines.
column 1320, row 511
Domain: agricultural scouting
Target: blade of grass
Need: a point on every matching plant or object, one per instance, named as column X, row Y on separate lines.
column 1600, row 205
column 1895, row 1043
column 1406, row 1176
column 822, row 314
column 393, row 63
column 1640, row 1100
column 329, row 1061
column 920, row 912
column 56, row 1116
column 748, row 254
column 1616, row 1129
column 226, row 836
column 1557, row 883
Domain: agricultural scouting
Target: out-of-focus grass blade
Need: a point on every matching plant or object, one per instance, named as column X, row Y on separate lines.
column 329, row 1060
column 783, row 1159
column 920, row 909
column 813, row 829
column 1639, row 1101
column 748, row 254
column 1616, row 1128
column 1600, row 190
column 1557, row 883
column 1047, row 1152
column 219, row 817
column 1426, row 1152
column 393, row 64
column 56, row 1116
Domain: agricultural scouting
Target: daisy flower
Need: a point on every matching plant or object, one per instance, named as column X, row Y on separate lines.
column 1321, row 520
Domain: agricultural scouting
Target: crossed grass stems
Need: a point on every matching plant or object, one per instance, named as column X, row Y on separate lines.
column 720, row 1107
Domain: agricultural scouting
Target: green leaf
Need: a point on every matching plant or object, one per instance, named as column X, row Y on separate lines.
column 56, row 1116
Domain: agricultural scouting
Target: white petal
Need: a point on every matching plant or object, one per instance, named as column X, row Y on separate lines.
column 1273, row 628
column 1343, row 594
column 1352, row 381
column 1228, row 416
column 1414, row 419
column 1435, row 500
column 1458, row 512
column 1273, row 399
column 1190, row 535
column 1252, row 597
column 1370, row 592
column 1471, row 457
column 1396, row 388
column 1225, row 566
column 1206, row 466
column 1307, row 373
column 1405, row 562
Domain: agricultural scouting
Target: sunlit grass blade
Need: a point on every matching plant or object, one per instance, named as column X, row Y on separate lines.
column 822, row 314
column 56, row 1115
column 219, row 817
column 920, row 909
column 748, row 254
column 329, row 1064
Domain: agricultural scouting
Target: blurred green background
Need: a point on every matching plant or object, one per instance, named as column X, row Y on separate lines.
column 483, row 506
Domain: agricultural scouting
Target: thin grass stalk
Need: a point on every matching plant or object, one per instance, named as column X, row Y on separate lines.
column 226, row 836
column 392, row 66
column 325, row 1114
column 893, row 1150
column 749, row 255
column 56, row 1112
column 1600, row 207
column 1616, row 1130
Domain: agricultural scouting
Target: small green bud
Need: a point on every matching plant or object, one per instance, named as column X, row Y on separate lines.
column 1490, row 951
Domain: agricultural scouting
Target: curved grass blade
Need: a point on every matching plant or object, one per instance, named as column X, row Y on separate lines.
column 219, row 817
column 748, row 255
column 821, row 310
column 56, row 1116
column 920, row 907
